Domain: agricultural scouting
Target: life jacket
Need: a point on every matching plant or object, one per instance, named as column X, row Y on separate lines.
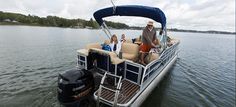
column 106, row 47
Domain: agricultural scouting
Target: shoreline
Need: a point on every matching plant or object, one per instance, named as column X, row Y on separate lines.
column 170, row 30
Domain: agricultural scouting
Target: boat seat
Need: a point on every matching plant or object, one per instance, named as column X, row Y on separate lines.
column 83, row 52
column 89, row 46
column 128, row 41
column 151, row 57
column 116, row 60
column 130, row 51
column 94, row 45
column 113, row 56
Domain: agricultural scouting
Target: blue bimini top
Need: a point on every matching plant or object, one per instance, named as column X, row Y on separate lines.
column 131, row 10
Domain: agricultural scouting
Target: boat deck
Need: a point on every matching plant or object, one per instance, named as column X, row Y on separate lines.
column 128, row 90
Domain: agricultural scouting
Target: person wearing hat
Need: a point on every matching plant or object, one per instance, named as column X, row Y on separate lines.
column 148, row 40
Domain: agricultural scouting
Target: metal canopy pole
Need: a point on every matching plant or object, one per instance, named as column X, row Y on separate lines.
column 165, row 37
column 104, row 26
column 106, row 30
column 114, row 7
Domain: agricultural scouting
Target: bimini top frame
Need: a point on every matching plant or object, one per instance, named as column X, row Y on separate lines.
column 131, row 10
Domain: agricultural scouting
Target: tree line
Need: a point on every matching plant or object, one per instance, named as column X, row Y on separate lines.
column 16, row 18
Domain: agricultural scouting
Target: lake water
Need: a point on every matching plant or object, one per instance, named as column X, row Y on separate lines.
column 32, row 57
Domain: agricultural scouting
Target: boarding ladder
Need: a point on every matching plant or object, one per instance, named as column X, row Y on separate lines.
column 116, row 90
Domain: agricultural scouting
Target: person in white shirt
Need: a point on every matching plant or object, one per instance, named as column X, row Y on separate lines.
column 115, row 44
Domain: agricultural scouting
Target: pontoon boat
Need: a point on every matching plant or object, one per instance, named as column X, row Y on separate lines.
column 115, row 81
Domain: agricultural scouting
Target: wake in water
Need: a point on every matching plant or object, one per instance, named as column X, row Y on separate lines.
column 190, row 74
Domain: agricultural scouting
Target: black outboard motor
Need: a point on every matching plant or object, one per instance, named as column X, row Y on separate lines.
column 75, row 87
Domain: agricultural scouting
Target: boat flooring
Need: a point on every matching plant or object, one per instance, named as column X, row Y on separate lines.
column 128, row 90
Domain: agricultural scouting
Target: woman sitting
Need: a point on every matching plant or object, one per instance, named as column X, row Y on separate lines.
column 122, row 40
column 115, row 44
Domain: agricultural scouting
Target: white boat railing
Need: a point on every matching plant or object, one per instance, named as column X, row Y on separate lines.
column 155, row 66
column 138, row 74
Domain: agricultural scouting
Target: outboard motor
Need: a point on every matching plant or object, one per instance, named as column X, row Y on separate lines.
column 75, row 87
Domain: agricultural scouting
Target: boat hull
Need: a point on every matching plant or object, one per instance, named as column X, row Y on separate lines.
column 146, row 92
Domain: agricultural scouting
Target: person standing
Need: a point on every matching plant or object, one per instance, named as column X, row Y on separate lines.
column 148, row 40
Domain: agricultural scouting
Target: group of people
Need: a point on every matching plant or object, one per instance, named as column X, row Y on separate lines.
column 115, row 44
column 148, row 41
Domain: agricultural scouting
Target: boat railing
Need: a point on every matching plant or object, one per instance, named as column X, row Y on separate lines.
column 133, row 72
column 154, row 67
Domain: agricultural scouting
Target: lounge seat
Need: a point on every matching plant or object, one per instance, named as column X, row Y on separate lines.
column 94, row 45
column 151, row 57
column 128, row 41
column 89, row 46
column 130, row 51
column 113, row 56
column 129, row 56
column 83, row 52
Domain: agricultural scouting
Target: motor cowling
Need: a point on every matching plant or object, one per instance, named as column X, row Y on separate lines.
column 74, row 86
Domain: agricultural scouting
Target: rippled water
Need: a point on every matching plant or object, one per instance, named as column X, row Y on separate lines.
column 32, row 57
